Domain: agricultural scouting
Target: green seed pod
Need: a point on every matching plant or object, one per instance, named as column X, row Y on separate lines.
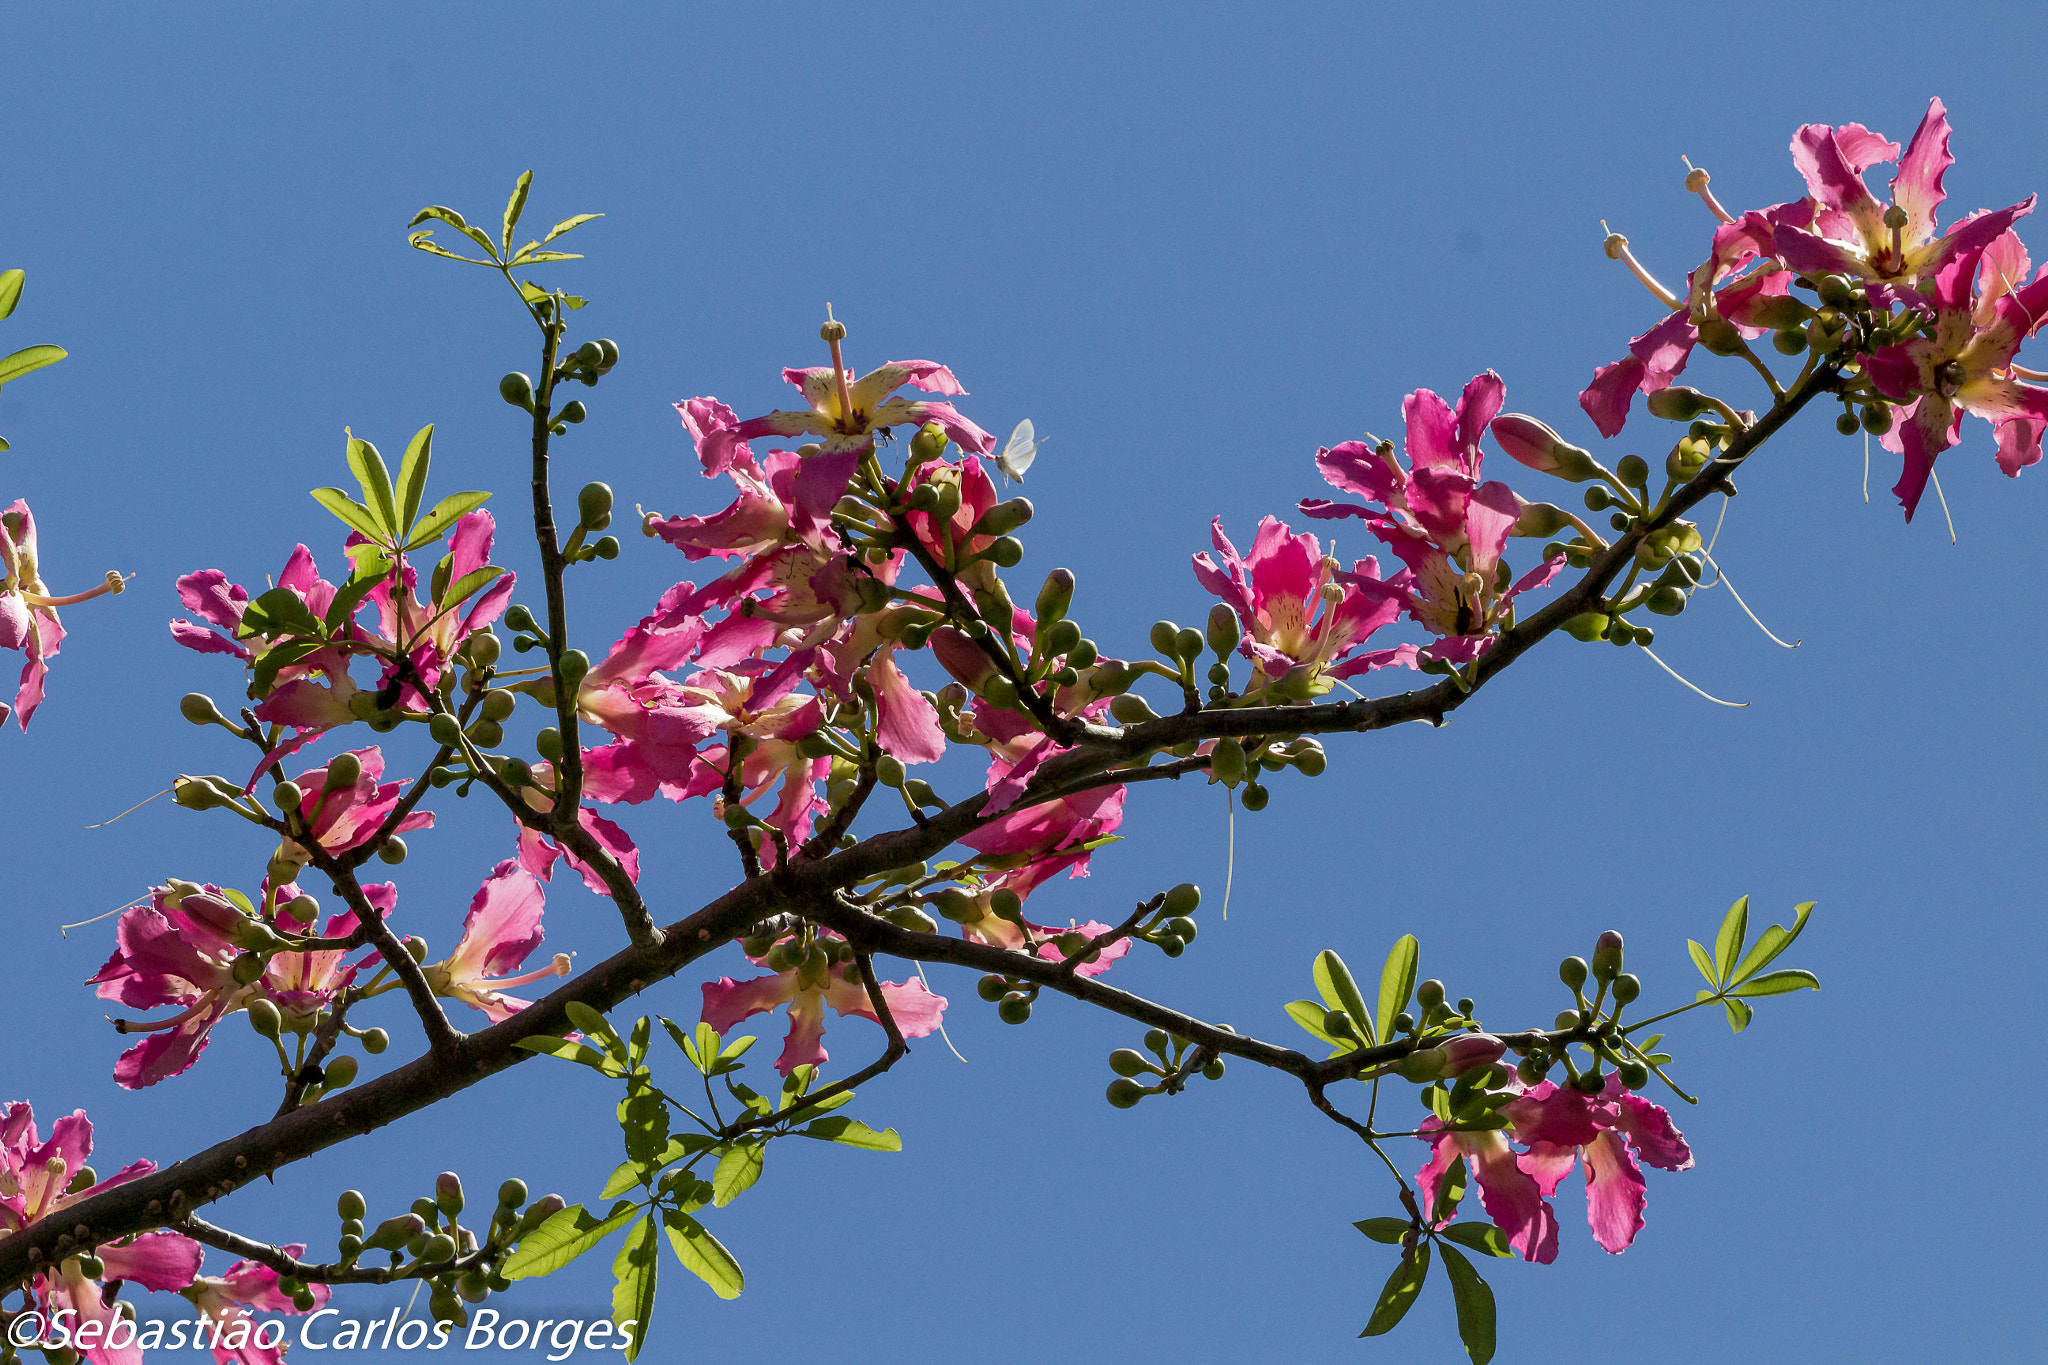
column 1572, row 971
column 1789, row 340
column 573, row 411
column 1634, row 471
column 1254, row 797
column 1157, row 1040
column 1004, row 903
column 1213, row 1071
column 1124, row 1092
column 1429, row 994
column 1226, row 762
column 392, row 851
column 375, row 1041
column 1183, row 899
column 548, row 743
column 992, row 987
column 594, row 503
column 889, row 770
column 1007, row 552
column 1127, row 1061
column 448, row 1193
column 446, row 730
column 198, row 708
column 1847, row 423
column 517, row 389
column 1130, row 709
column 512, row 1194
column 1165, row 638
column 1634, row 1075
column 1224, row 630
column 1627, row 987
column 1607, row 956
column 1588, row 626
column 264, row 1017
column 1015, row 1008
column 340, row 1072
column 343, row 770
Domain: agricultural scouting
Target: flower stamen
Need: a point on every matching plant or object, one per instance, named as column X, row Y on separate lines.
column 1616, row 247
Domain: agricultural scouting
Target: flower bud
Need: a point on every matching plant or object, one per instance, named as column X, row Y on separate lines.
column 1165, row 638
column 1124, row 1092
column 517, row 389
column 1634, row 1075
column 1015, row 1008
column 1588, row 626
column 198, row 708
column 351, row 1204
column 1627, row 987
column 448, row 1193
column 375, row 1041
column 889, row 770
column 1127, row 1061
column 1534, row 444
column 928, row 444
column 994, row 987
column 1058, row 638
column 416, row 948
column 1634, row 471
column 343, row 770
column 962, row 907
column 1131, row 709
column 1226, row 762
column 1572, row 971
column 1469, row 1051
column 1540, row 519
column 512, row 1194
column 1254, row 797
column 1720, row 336
column 1055, row 597
column 1225, row 632
column 1429, row 994
column 961, row 657
column 392, row 851
column 594, row 505
column 1004, row 518
column 574, row 665
column 1006, row 904
column 340, row 1072
column 1423, row 1064
column 264, row 1017
column 1607, row 956
column 1678, row 403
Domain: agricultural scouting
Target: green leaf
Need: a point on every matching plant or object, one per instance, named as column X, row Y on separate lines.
column 1703, row 960
column 562, row 1238
column 736, row 1049
column 703, row 1255
column 441, row 212
column 1387, row 1230
column 549, row 1046
column 1451, row 1187
column 237, row 899
column 588, row 1020
column 1333, row 979
column 1309, row 1015
column 1397, row 982
column 412, row 476
column 629, row 1174
column 368, row 467
column 1739, row 1014
column 558, row 229
column 1728, row 944
column 1778, row 983
column 29, row 358
column 853, row 1133
column 1474, row 1299
column 466, row 586
column 737, row 1171
column 754, row 1101
column 633, row 1273
column 263, row 676
column 442, row 518
column 423, row 240
column 1772, row 942
column 4, row 447
column 643, row 1120
column 1399, row 1293
column 806, row 1108
column 689, row 1044
column 287, row 614
column 1484, row 1238
column 636, row 1053
column 348, row 599
column 10, row 290
column 543, row 257
column 516, row 205
column 353, row 514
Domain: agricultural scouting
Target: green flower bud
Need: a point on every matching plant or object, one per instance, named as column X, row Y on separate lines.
column 1058, row 638
column 594, row 503
column 1015, row 1008
column 928, row 444
column 1182, row 928
column 416, row 948
column 1338, row 1024
column 1124, row 1092
column 1836, row 291
column 517, row 389
column 446, row 730
column 1572, row 971
column 1634, row 1075
column 606, row 547
column 498, row 705
column 1532, row 1070
column 393, row 1233
column 1566, row 1019
column 1007, row 552
column 1404, row 1022
column 960, row 906
column 486, row 734
column 1157, row 1040
column 574, row 411
column 992, row 987
column 1005, row 518
column 440, row 1247
column 1429, row 994
column 1607, row 956
column 1213, row 1071
column 351, row 1204
column 512, row 1194
column 1665, row 601
column 1423, row 1064
column 349, row 1245
column 548, row 743
column 889, row 770
column 518, row 617
column 448, row 1193
column 911, row 918
column 246, row 968
column 392, row 851
column 198, row 708
column 1588, row 626
column 1847, row 423
column 1877, row 419
column 1789, row 340
column 482, row 648
column 1004, row 903
column 1165, row 638
column 1131, row 709
column 1678, row 403
column 375, row 1041
column 264, row 1017
column 1720, row 336
column 1634, row 471
column 1226, row 762
column 342, row 771
column 572, row 668
column 1254, row 797
column 1083, row 655
column 1627, row 987
column 1127, row 1061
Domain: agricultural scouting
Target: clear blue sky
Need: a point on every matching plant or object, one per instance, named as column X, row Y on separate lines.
column 1192, row 244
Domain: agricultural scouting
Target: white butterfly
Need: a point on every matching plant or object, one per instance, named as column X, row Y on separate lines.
column 1018, row 452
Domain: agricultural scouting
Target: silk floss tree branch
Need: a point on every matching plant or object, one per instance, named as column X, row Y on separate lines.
column 850, row 621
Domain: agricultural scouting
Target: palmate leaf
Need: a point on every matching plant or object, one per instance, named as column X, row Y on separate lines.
column 1398, row 1295
column 633, row 1274
column 1771, row 942
column 1474, row 1298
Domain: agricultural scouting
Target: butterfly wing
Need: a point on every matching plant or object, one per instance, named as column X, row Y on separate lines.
column 1018, row 452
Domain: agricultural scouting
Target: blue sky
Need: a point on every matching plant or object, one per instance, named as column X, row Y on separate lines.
column 1192, row 244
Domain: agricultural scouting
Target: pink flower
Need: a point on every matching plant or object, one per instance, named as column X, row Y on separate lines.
column 537, row 852
column 997, row 931
column 1964, row 364
column 1610, row 1132
column 500, row 931
column 35, row 1176
column 817, row 981
column 1066, row 828
column 845, row 412
column 247, row 1288
column 657, row 730
column 1295, row 605
column 1508, row 1193
column 430, row 632
column 1851, row 233
column 28, row 614
column 350, row 815
column 155, row 1260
